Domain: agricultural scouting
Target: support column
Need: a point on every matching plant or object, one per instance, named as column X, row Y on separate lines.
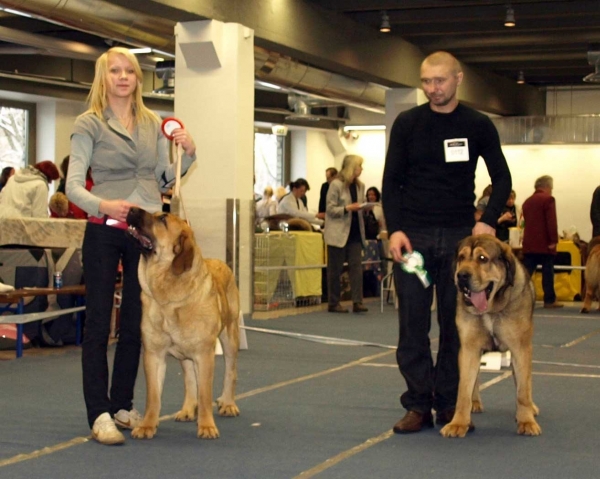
column 214, row 84
column 398, row 100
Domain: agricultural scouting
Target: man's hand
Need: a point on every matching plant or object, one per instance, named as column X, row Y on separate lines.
column 482, row 228
column 399, row 240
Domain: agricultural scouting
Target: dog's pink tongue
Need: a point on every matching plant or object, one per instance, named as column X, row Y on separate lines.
column 479, row 300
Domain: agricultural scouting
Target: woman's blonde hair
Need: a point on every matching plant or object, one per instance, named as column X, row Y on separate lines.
column 98, row 99
column 349, row 164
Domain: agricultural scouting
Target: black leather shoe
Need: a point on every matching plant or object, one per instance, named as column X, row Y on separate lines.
column 359, row 308
column 337, row 309
column 444, row 417
column 413, row 421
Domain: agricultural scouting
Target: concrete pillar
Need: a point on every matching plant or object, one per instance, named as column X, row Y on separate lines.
column 214, row 97
column 398, row 100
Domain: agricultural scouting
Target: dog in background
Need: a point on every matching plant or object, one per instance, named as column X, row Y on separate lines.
column 187, row 302
column 494, row 312
column 592, row 275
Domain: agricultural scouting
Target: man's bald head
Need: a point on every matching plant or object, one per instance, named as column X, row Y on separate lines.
column 443, row 59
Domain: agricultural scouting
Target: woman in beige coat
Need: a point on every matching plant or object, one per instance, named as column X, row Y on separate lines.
column 345, row 233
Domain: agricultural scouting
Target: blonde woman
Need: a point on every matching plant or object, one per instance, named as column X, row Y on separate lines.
column 120, row 139
column 345, row 233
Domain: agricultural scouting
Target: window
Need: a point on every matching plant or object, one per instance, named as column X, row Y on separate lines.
column 17, row 134
column 269, row 161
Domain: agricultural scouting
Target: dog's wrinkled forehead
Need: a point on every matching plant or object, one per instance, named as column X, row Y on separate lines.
column 166, row 224
column 478, row 247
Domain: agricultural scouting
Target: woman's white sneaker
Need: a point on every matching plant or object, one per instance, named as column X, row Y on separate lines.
column 128, row 419
column 105, row 432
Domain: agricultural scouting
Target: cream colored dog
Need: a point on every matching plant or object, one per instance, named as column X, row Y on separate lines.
column 187, row 302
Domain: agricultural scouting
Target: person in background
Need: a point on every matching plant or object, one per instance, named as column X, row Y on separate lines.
column 428, row 203
column 595, row 213
column 345, row 234
column 7, row 172
column 291, row 204
column 540, row 236
column 120, row 139
column 374, row 196
column 267, row 206
column 508, row 218
column 280, row 192
column 330, row 174
column 483, row 202
column 26, row 194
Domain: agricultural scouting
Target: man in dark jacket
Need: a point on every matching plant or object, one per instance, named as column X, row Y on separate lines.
column 595, row 213
column 540, row 237
column 330, row 174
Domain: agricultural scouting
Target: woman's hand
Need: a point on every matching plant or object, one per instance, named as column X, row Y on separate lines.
column 182, row 137
column 353, row 207
column 116, row 209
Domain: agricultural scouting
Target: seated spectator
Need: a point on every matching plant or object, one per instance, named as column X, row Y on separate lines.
column 280, row 192
column 508, row 218
column 482, row 202
column 6, row 174
column 26, row 193
column 291, row 204
column 267, row 206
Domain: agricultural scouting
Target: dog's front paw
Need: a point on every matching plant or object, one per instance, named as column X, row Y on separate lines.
column 208, row 432
column 477, row 406
column 584, row 310
column 529, row 428
column 456, row 430
column 185, row 415
column 227, row 409
column 143, row 432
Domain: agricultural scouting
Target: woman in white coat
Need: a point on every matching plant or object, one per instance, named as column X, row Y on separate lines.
column 345, row 233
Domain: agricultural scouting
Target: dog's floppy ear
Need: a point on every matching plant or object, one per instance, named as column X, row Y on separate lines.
column 510, row 262
column 184, row 254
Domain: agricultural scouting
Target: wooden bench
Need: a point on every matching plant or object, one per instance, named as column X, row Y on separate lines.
column 17, row 298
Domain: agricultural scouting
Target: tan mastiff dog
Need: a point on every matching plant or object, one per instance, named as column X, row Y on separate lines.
column 494, row 312
column 187, row 302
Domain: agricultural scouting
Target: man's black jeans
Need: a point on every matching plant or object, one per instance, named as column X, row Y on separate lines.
column 429, row 385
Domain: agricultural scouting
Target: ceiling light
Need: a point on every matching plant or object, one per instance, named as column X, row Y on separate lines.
column 364, row 127
column 385, row 23
column 17, row 12
column 136, row 51
column 521, row 78
column 509, row 20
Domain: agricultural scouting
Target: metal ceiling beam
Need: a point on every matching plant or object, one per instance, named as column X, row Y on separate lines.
column 336, row 43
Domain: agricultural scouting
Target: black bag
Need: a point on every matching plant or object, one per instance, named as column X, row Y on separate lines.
column 371, row 226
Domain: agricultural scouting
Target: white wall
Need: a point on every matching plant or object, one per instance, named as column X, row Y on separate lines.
column 576, row 173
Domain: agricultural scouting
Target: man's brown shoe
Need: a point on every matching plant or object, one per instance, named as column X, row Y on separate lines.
column 413, row 421
column 553, row 305
column 337, row 309
column 359, row 308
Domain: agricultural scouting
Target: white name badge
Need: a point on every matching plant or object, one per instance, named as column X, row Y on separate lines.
column 456, row 149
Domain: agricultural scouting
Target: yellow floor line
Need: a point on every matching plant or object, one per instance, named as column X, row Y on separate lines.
column 375, row 440
column 581, row 339
column 81, row 440
column 44, row 452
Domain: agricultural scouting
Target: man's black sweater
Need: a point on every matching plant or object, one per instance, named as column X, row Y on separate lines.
column 422, row 189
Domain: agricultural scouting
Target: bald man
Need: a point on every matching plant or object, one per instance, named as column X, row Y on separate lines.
column 428, row 199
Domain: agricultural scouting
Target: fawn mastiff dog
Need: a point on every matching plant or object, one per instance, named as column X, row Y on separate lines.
column 187, row 302
column 494, row 312
column 592, row 275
